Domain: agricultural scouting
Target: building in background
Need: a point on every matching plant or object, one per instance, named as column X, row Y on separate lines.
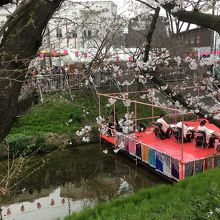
column 199, row 40
column 139, row 26
column 80, row 27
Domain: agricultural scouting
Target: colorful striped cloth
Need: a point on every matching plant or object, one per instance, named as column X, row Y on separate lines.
column 138, row 150
column 189, row 169
column 208, row 163
column 167, row 165
column 144, row 153
column 175, row 172
column 121, row 138
column 199, row 166
column 151, row 156
column 217, row 161
column 126, row 143
column 132, row 147
column 116, row 140
column 159, row 161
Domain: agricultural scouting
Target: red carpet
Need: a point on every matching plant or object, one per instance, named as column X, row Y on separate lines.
column 172, row 147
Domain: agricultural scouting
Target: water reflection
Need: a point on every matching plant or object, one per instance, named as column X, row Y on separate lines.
column 74, row 179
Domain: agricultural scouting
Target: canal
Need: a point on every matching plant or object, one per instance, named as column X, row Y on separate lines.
column 72, row 180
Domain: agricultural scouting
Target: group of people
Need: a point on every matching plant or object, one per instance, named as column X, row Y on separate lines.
column 34, row 72
column 188, row 132
column 51, row 79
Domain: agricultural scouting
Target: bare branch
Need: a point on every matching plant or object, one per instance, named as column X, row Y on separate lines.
column 195, row 17
column 145, row 3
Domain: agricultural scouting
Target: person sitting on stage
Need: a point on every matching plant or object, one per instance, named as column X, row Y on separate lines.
column 209, row 133
column 188, row 134
column 141, row 127
column 165, row 127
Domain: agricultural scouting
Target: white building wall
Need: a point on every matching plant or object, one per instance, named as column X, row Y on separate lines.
column 217, row 41
column 89, row 22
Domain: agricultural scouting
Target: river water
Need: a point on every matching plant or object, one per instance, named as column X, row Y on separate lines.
column 72, row 180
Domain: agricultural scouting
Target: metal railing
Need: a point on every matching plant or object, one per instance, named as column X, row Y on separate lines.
column 53, row 82
column 43, row 84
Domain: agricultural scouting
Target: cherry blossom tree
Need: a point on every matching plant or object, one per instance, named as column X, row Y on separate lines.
column 21, row 37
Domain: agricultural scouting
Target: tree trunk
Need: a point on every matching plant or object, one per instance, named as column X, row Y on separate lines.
column 195, row 17
column 150, row 33
column 176, row 97
column 21, row 40
column 191, row 17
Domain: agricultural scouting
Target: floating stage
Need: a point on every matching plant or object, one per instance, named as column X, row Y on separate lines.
column 168, row 157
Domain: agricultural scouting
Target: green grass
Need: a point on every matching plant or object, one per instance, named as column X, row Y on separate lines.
column 197, row 197
column 58, row 119
column 52, row 116
column 54, row 122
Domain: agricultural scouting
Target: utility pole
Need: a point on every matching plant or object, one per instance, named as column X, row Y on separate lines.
column 213, row 32
column 213, row 39
column 49, row 44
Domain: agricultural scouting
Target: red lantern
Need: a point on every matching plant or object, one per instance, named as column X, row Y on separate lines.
column 65, row 52
column 85, row 55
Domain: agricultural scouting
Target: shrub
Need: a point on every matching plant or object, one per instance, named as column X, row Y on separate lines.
column 18, row 144
column 42, row 146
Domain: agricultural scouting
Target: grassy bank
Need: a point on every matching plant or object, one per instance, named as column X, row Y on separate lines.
column 54, row 123
column 197, row 197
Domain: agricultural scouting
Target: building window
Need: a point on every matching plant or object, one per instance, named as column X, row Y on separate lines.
column 89, row 33
column 71, row 34
column 198, row 39
column 59, row 33
column 192, row 40
column 84, row 33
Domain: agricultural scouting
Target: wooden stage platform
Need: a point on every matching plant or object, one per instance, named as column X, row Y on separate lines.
column 169, row 157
